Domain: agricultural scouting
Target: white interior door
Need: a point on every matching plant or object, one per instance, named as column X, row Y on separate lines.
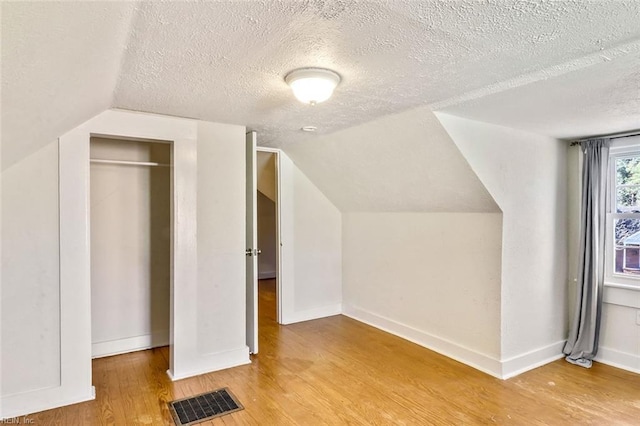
column 252, row 242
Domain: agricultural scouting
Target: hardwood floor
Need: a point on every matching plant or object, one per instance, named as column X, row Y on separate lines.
column 339, row 371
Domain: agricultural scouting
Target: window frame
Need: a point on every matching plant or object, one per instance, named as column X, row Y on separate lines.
column 619, row 149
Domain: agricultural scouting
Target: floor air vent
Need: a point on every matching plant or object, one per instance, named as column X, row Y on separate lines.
column 203, row 407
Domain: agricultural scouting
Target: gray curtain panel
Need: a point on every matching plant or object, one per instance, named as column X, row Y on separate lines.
column 582, row 344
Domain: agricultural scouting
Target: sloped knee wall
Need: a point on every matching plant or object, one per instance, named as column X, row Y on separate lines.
column 526, row 175
column 422, row 237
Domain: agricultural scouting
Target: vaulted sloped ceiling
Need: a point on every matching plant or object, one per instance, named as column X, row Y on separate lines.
column 63, row 62
column 60, row 66
column 403, row 162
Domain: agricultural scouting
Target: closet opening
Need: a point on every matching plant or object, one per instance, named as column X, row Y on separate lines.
column 131, row 233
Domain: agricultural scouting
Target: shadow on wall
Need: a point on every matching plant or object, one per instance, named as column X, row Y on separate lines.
column 160, row 238
column 266, row 237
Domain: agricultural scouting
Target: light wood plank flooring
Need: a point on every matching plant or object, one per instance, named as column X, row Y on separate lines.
column 338, row 371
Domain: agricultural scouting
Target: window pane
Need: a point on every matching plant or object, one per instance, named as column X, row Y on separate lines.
column 628, row 199
column 628, row 171
column 627, row 246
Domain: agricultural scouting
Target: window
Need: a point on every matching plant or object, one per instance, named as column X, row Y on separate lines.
column 623, row 218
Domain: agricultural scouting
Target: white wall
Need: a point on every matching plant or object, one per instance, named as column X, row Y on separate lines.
column 620, row 333
column 311, row 238
column 221, row 305
column 30, row 322
column 526, row 175
column 318, row 244
column 130, row 247
column 433, row 278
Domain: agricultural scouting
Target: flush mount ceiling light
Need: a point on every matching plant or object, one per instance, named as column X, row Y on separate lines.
column 312, row 85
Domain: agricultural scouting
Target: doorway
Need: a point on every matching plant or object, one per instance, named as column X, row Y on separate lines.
column 267, row 230
column 130, row 240
column 263, row 237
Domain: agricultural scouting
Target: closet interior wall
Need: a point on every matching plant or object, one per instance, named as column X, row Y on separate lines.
column 130, row 246
column 266, row 209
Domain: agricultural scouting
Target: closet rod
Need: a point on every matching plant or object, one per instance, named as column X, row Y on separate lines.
column 130, row 163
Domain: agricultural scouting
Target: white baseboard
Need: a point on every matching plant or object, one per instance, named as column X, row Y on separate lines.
column 26, row 403
column 130, row 344
column 479, row 361
column 266, row 275
column 209, row 363
column 311, row 314
column 622, row 360
column 501, row 369
column 518, row 364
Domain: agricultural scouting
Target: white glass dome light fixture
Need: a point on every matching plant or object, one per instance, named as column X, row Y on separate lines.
column 312, row 85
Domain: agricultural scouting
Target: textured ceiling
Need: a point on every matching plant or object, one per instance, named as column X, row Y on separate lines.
column 601, row 98
column 226, row 61
column 63, row 62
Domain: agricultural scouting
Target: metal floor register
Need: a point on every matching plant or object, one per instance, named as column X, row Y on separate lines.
column 196, row 409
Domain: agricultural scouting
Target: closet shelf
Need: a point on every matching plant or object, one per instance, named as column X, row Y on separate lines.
column 129, row 163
